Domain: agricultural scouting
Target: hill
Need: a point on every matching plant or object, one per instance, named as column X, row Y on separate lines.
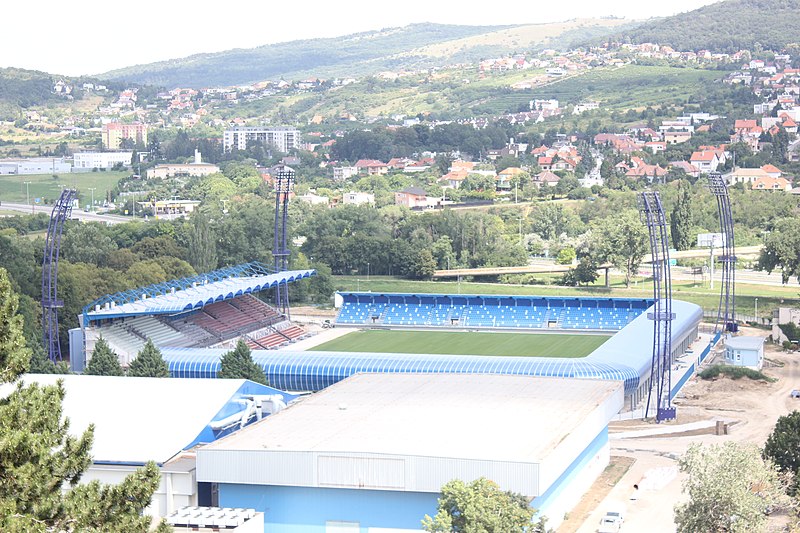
column 21, row 88
column 413, row 47
column 723, row 27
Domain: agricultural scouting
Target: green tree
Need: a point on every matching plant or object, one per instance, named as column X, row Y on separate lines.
column 621, row 241
column 782, row 250
column 479, row 507
column 202, row 244
column 783, row 447
column 680, row 221
column 424, row 265
column 104, row 361
column 14, row 355
column 584, row 273
column 149, row 363
column 730, row 488
column 239, row 364
column 41, row 464
column 566, row 256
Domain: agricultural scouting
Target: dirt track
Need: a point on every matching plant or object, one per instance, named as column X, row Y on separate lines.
column 751, row 409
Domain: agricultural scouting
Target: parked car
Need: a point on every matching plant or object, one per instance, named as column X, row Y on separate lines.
column 796, row 393
column 612, row 521
column 327, row 324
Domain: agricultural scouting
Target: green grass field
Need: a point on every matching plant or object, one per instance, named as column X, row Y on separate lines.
column 12, row 187
column 467, row 343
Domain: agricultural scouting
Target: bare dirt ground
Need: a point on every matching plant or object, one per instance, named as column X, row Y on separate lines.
column 750, row 408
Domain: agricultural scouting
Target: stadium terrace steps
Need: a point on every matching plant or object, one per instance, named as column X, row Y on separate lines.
column 602, row 316
column 281, row 334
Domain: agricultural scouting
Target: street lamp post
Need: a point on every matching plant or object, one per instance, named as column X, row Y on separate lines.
column 92, row 189
column 756, row 317
column 367, row 270
column 27, row 193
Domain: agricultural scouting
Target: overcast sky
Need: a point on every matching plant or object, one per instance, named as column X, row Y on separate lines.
column 94, row 36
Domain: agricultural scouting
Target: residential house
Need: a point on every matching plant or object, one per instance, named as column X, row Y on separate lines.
column 372, row 166
column 745, row 175
column 454, row 178
column 767, row 183
column 772, row 171
column 411, row 197
column 313, row 198
column 656, row 146
column 504, row 177
column 565, row 164
column 705, row 161
column 687, row 167
column 545, row 178
column 545, row 163
column 677, row 137
column 358, row 198
column 343, row 173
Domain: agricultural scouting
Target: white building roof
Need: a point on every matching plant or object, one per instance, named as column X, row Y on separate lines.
column 745, row 343
column 139, row 419
column 466, row 424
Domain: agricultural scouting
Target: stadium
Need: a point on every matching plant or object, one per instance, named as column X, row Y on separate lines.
column 561, row 342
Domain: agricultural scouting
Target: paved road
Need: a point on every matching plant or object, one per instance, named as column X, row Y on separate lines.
column 76, row 213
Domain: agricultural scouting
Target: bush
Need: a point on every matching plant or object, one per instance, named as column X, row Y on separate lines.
column 734, row 372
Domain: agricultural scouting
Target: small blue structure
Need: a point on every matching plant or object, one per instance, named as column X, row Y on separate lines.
column 744, row 351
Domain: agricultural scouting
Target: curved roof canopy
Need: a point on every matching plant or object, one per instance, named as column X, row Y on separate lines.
column 186, row 294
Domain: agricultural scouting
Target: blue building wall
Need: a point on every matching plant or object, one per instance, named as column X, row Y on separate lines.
column 306, row 510
column 542, row 502
column 303, row 509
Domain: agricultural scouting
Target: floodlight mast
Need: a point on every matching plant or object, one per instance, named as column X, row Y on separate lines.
column 726, row 313
column 652, row 214
column 62, row 211
column 284, row 184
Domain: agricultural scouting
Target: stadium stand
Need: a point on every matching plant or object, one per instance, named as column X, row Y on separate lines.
column 213, row 309
column 473, row 311
column 626, row 356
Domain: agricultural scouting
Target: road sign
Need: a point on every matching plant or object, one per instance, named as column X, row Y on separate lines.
column 707, row 240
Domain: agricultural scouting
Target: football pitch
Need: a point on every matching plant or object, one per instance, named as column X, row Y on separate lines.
column 465, row 343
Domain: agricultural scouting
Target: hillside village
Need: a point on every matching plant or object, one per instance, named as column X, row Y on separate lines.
column 640, row 152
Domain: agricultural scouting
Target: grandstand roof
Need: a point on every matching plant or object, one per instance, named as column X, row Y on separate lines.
column 147, row 419
column 185, row 294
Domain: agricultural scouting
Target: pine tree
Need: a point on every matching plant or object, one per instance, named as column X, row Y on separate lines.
column 680, row 222
column 149, row 363
column 202, row 245
column 104, row 361
column 41, row 464
column 239, row 364
column 40, row 363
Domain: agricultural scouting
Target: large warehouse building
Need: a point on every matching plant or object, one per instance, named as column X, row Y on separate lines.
column 137, row 420
column 372, row 452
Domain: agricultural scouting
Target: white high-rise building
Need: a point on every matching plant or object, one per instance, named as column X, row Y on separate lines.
column 283, row 138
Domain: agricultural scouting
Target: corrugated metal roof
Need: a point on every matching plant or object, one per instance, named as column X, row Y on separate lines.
column 146, row 419
column 626, row 356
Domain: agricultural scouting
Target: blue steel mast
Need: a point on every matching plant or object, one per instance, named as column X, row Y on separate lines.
column 52, row 248
column 652, row 213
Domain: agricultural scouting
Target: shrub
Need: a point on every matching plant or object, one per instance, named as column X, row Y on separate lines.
column 734, row 372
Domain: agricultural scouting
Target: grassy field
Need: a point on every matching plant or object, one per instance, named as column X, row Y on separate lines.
column 769, row 297
column 468, row 343
column 12, row 187
column 629, row 86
